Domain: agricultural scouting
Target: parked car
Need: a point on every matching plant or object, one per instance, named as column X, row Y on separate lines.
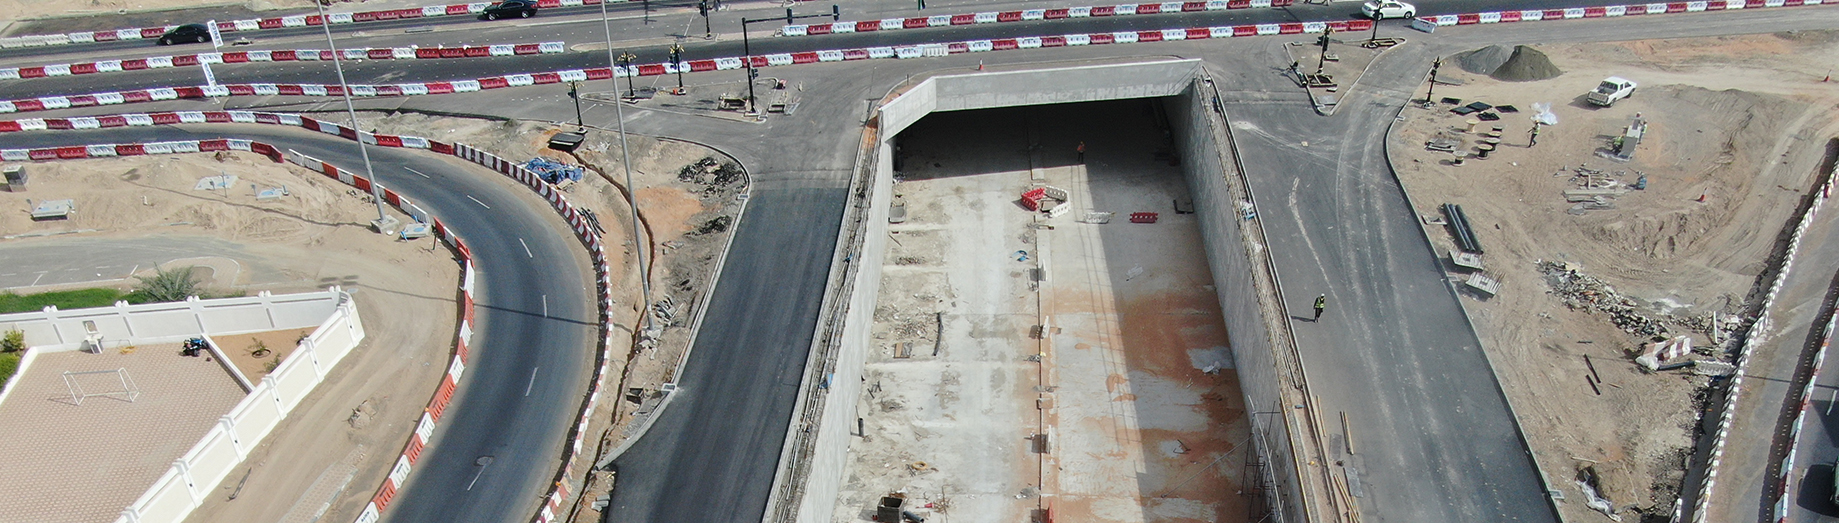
column 188, row 33
column 1612, row 89
column 509, row 9
column 1389, row 9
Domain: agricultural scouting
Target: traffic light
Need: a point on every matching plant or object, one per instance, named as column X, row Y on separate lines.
column 836, row 13
column 703, row 7
column 788, row 16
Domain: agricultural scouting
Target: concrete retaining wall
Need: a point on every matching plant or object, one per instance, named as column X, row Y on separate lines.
column 1195, row 133
column 1212, row 183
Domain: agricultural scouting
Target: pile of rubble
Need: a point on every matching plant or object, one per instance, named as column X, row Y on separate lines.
column 1585, row 292
column 710, row 173
column 1592, row 189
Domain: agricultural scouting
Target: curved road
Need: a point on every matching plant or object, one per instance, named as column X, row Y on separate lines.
column 491, row 415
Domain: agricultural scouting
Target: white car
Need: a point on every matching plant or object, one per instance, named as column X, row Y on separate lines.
column 1612, row 89
column 1389, row 9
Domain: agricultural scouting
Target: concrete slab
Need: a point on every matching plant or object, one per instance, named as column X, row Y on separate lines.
column 1135, row 429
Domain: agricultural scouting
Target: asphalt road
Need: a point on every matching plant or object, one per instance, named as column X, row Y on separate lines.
column 1811, row 483
column 77, row 260
column 630, row 35
column 516, row 347
column 1403, row 342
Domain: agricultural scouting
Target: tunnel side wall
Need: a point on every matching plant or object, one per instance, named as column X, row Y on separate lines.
column 1213, row 181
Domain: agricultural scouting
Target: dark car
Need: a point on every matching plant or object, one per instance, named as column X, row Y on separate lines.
column 510, row 9
column 187, row 33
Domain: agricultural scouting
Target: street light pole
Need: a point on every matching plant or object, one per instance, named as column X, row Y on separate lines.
column 676, row 61
column 836, row 14
column 639, row 243
column 574, row 91
column 707, row 32
column 376, row 188
column 1433, row 80
column 626, row 60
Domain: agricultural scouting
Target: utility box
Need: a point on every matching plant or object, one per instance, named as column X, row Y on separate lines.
column 889, row 509
column 567, row 142
column 54, row 210
column 14, row 179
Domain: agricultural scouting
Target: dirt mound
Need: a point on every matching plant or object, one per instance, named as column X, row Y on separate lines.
column 1526, row 65
column 1485, row 60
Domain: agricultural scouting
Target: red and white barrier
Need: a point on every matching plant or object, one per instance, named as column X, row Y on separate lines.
column 1495, row 17
column 602, row 73
column 1758, row 334
column 295, row 55
column 244, row 26
column 80, row 152
column 920, row 22
column 1794, row 437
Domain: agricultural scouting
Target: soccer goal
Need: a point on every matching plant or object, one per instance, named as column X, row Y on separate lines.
column 121, row 387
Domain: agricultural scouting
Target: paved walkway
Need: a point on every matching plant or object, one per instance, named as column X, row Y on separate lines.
column 74, row 463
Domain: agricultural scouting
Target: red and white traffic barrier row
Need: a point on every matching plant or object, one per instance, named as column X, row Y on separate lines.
column 559, row 491
column 235, row 26
column 80, row 152
column 1754, row 339
column 918, row 22
column 293, row 55
column 1425, row 22
column 1794, row 437
column 602, row 73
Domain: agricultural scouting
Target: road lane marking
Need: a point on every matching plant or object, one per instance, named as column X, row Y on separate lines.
column 520, row 241
column 532, row 381
column 545, row 305
column 469, row 486
column 476, row 200
column 418, row 172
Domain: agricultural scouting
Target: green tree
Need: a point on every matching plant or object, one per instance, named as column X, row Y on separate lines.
column 13, row 341
column 168, row 285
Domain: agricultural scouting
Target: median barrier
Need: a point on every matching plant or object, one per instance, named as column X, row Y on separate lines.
column 296, row 55
column 259, row 24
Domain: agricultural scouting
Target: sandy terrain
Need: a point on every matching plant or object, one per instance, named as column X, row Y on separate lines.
column 1736, row 128
column 313, row 237
column 242, row 350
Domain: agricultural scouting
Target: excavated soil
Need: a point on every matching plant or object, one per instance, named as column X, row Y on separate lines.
column 1735, row 131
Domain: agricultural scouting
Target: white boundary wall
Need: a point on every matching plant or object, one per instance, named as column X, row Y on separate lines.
column 123, row 324
column 195, row 474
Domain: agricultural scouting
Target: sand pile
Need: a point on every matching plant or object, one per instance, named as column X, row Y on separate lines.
column 1526, row 65
column 1484, row 60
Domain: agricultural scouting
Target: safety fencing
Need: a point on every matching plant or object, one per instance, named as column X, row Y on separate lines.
column 1495, row 17
column 291, row 55
column 920, row 22
column 1753, row 340
column 1794, row 438
column 258, row 24
column 716, row 64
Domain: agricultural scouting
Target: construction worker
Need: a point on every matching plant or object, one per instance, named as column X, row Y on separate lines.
column 1534, row 139
column 1082, row 152
column 1321, row 302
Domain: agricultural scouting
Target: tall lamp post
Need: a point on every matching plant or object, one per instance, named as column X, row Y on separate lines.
column 703, row 7
column 376, row 188
column 625, row 62
column 676, row 62
column 836, row 14
column 1433, row 80
column 639, row 243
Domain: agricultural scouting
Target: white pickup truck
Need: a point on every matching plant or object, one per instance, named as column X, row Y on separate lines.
column 1611, row 90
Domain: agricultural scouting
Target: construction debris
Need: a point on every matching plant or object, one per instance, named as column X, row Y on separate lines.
column 553, row 171
column 1580, row 291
